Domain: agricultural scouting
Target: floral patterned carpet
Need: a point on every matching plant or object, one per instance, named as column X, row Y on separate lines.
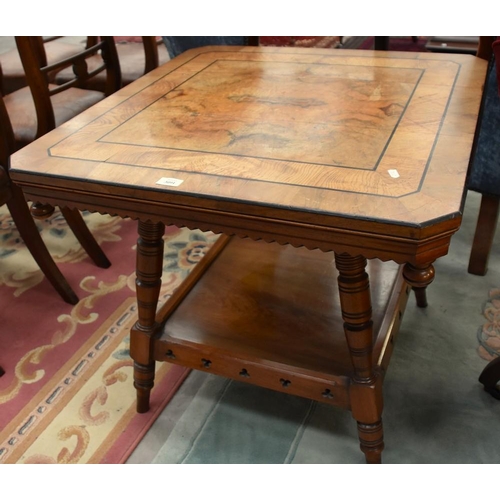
column 66, row 395
column 488, row 334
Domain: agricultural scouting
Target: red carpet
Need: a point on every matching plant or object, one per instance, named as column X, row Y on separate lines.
column 67, row 394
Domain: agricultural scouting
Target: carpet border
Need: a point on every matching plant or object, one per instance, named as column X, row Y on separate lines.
column 171, row 382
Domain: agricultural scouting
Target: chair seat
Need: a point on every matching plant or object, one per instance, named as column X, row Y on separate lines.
column 12, row 68
column 132, row 63
column 67, row 104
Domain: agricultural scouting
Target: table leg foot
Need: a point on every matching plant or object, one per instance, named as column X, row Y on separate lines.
column 419, row 277
column 371, row 438
column 490, row 377
column 421, row 297
column 144, row 376
column 366, row 385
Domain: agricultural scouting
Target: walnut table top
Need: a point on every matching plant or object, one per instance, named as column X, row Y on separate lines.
column 278, row 143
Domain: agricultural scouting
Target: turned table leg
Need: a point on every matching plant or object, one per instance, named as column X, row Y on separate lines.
column 419, row 277
column 148, row 283
column 366, row 386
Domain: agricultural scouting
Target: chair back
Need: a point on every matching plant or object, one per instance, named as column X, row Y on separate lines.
column 6, row 147
column 152, row 59
column 140, row 56
column 137, row 56
column 6, row 141
column 56, row 48
column 34, row 59
column 485, row 47
column 6, row 134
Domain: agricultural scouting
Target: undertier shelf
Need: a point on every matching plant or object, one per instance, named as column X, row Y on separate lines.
column 270, row 315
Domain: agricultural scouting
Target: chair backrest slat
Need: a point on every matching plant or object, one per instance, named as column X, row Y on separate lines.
column 32, row 53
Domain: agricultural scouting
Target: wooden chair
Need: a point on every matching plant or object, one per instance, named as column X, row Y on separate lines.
column 485, row 178
column 13, row 196
column 13, row 72
column 136, row 59
column 484, row 174
column 54, row 104
column 4, row 187
column 32, row 111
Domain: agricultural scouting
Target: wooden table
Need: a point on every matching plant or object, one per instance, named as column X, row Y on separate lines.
column 309, row 162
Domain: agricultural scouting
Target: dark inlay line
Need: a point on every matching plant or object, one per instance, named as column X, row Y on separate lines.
column 443, row 117
column 377, row 163
column 192, row 76
column 291, row 161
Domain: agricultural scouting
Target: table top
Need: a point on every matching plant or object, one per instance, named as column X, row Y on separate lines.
column 363, row 141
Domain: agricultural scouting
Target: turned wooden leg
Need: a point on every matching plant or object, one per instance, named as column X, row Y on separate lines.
column 148, row 283
column 490, row 377
column 366, row 385
column 371, row 437
column 419, row 277
column 485, row 232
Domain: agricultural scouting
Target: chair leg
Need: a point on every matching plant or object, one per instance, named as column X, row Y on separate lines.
column 29, row 233
column 419, row 277
column 485, row 232
column 490, row 377
column 77, row 224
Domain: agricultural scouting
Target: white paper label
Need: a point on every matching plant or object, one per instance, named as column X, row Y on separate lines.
column 393, row 173
column 169, row 181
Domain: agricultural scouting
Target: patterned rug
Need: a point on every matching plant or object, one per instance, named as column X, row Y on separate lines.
column 488, row 334
column 67, row 394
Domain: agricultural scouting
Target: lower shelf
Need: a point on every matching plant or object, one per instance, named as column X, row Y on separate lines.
column 270, row 315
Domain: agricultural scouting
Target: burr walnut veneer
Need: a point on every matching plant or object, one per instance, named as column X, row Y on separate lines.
column 308, row 162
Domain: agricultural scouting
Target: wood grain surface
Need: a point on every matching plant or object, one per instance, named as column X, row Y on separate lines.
column 346, row 138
